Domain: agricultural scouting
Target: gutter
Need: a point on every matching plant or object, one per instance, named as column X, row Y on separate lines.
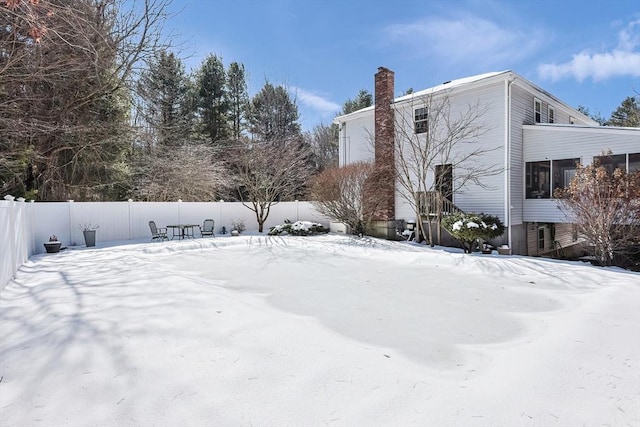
column 507, row 158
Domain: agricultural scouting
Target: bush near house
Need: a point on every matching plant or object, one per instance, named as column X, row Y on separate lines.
column 469, row 228
column 298, row 228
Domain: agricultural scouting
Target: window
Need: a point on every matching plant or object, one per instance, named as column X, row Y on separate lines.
column 572, row 121
column 541, row 238
column 537, row 111
column 612, row 162
column 444, row 181
column 634, row 162
column 552, row 115
column 538, row 179
column 563, row 171
column 421, row 124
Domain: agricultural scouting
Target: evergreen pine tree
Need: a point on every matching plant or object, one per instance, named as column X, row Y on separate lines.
column 212, row 103
column 238, row 98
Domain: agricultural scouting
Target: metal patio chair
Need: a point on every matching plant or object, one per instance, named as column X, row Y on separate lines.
column 207, row 228
column 157, row 233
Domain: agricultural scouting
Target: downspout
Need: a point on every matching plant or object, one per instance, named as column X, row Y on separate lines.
column 507, row 159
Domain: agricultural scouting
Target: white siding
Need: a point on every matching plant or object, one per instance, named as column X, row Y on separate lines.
column 557, row 142
column 356, row 140
column 473, row 197
column 550, row 142
column 521, row 112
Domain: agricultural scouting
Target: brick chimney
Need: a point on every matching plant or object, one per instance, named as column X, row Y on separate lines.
column 384, row 143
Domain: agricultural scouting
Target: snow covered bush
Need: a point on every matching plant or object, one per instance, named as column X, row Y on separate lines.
column 471, row 227
column 238, row 225
column 298, row 228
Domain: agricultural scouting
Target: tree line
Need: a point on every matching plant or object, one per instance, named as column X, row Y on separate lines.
column 95, row 105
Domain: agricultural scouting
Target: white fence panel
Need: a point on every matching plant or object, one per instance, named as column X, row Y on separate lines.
column 16, row 237
column 25, row 226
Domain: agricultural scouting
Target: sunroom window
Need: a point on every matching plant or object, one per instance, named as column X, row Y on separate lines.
column 612, row 162
column 634, row 162
column 563, row 172
column 538, row 180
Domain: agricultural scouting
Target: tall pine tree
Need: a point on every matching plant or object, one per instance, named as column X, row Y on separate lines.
column 212, row 104
column 627, row 114
column 166, row 109
column 238, row 98
column 273, row 115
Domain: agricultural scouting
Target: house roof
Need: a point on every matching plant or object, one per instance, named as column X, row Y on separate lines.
column 448, row 85
column 451, row 84
column 466, row 82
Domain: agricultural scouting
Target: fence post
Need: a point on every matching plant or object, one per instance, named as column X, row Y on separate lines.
column 69, row 203
column 130, row 225
column 221, row 212
column 12, row 233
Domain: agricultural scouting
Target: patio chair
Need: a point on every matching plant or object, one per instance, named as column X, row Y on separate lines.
column 207, row 228
column 157, row 233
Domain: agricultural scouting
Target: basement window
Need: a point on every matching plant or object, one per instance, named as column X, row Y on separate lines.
column 541, row 238
column 420, row 123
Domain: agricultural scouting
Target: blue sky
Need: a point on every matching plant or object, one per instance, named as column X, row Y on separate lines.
column 585, row 52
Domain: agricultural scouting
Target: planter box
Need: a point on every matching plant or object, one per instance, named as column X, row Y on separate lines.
column 89, row 237
column 52, row 247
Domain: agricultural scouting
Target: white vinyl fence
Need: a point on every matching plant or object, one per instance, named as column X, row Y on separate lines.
column 25, row 226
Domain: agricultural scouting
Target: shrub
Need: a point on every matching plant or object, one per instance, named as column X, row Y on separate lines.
column 341, row 194
column 298, row 228
column 470, row 227
column 238, row 225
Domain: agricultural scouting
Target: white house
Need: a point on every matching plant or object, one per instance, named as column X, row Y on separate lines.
column 532, row 138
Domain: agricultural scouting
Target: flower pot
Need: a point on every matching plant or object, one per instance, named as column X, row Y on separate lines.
column 89, row 237
column 52, row 247
column 504, row 250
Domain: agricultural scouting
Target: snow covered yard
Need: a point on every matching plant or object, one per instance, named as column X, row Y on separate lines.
column 312, row 331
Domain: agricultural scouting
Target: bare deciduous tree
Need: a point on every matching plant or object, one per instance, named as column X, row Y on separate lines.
column 437, row 145
column 341, row 194
column 189, row 173
column 323, row 142
column 606, row 209
column 267, row 172
column 66, row 68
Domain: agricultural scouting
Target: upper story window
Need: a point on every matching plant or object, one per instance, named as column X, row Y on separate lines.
column 421, row 122
column 552, row 115
column 572, row 121
column 537, row 111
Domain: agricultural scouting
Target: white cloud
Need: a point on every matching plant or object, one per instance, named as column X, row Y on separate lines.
column 624, row 60
column 464, row 39
column 316, row 102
